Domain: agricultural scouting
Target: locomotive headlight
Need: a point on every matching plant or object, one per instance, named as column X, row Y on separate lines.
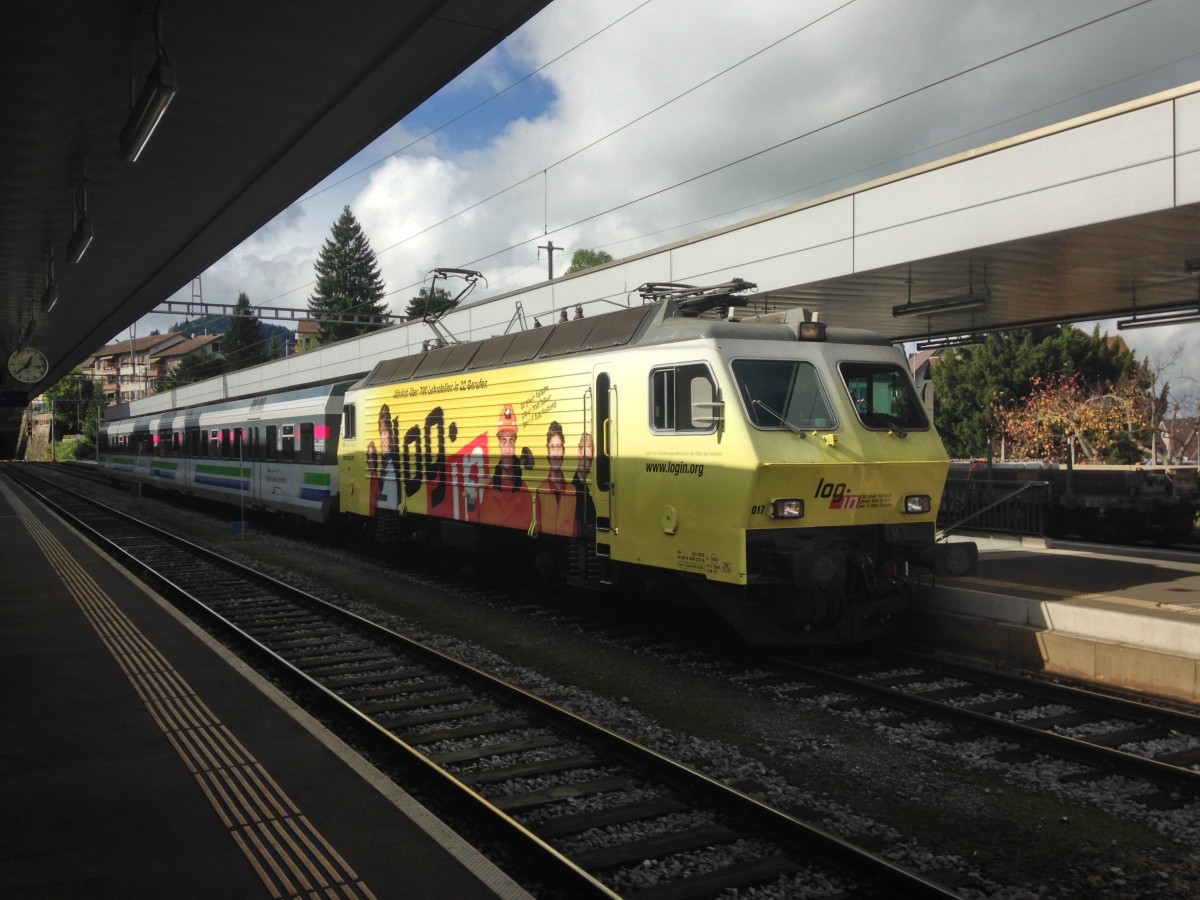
column 917, row 503
column 811, row 331
column 787, row 509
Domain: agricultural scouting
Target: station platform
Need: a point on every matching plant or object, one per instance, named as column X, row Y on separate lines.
column 1124, row 617
column 140, row 760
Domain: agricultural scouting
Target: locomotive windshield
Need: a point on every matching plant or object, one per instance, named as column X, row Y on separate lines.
column 780, row 393
column 883, row 396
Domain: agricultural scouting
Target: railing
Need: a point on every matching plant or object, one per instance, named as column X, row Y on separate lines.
column 994, row 507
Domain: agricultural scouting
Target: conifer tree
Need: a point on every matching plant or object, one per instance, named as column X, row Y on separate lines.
column 428, row 303
column 195, row 366
column 348, row 281
column 243, row 342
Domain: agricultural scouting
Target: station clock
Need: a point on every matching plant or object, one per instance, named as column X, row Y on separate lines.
column 28, row 364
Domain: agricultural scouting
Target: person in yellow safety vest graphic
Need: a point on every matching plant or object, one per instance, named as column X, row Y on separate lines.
column 506, row 501
column 555, row 497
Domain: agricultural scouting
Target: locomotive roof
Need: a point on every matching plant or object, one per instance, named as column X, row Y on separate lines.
column 661, row 322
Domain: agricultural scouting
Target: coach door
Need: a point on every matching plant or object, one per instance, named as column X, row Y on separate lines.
column 606, row 452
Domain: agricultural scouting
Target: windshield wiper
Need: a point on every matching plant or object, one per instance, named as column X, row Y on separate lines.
column 794, row 429
column 893, row 424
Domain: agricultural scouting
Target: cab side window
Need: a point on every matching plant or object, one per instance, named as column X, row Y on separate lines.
column 683, row 399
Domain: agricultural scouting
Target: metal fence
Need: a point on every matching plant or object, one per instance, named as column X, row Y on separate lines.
column 994, row 507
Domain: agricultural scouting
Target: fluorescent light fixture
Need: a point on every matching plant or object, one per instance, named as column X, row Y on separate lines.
column 81, row 236
column 50, row 294
column 942, row 304
column 965, row 340
column 157, row 93
column 1177, row 317
column 81, row 239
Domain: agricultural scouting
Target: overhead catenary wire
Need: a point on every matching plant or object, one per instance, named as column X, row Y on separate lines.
column 715, row 169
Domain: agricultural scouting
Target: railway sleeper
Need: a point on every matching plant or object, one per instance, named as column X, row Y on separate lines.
column 735, row 877
column 655, row 847
column 529, row 769
column 487, row 751
column 352, row 662
column 445, row 699
column 351, row 680
column 616, row 815
column 450, row 734
column 1163, row 800
column 371, row 693
column 546, row 796
column 1127, row 736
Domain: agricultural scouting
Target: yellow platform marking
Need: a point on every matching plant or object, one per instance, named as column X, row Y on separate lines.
column 289, row 854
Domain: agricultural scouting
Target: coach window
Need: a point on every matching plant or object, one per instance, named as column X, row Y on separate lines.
column 348, row 422
column 306, row 442
column 288, row 447
column 683, row 399
column 271, row 449
column 214, row 443
column 238, row 449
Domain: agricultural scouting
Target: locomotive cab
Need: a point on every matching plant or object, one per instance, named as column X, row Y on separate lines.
column 787, row 473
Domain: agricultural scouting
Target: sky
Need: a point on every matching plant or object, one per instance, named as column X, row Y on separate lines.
column 625, row 125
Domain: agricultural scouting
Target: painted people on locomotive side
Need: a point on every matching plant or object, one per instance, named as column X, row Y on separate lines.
column 487, row 478
column 383, row 463
column 506, row 501
column 585, row 507
column 556, row 498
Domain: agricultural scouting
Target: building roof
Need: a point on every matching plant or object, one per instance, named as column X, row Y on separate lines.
column 920, row 359
column 148, row 345
column 186, row 346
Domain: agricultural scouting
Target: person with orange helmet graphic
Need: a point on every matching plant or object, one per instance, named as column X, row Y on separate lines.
column 507, row 502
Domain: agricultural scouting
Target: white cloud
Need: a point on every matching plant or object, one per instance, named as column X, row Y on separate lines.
column 842, row 60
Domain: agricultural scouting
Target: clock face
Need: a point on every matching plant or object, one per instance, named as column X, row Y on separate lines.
column 28, row 364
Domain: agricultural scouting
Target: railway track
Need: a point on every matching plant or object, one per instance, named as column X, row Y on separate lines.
column 1101, row 734
column 579, row 804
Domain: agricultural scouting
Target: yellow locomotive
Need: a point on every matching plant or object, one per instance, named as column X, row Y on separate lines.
column 779, row 471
